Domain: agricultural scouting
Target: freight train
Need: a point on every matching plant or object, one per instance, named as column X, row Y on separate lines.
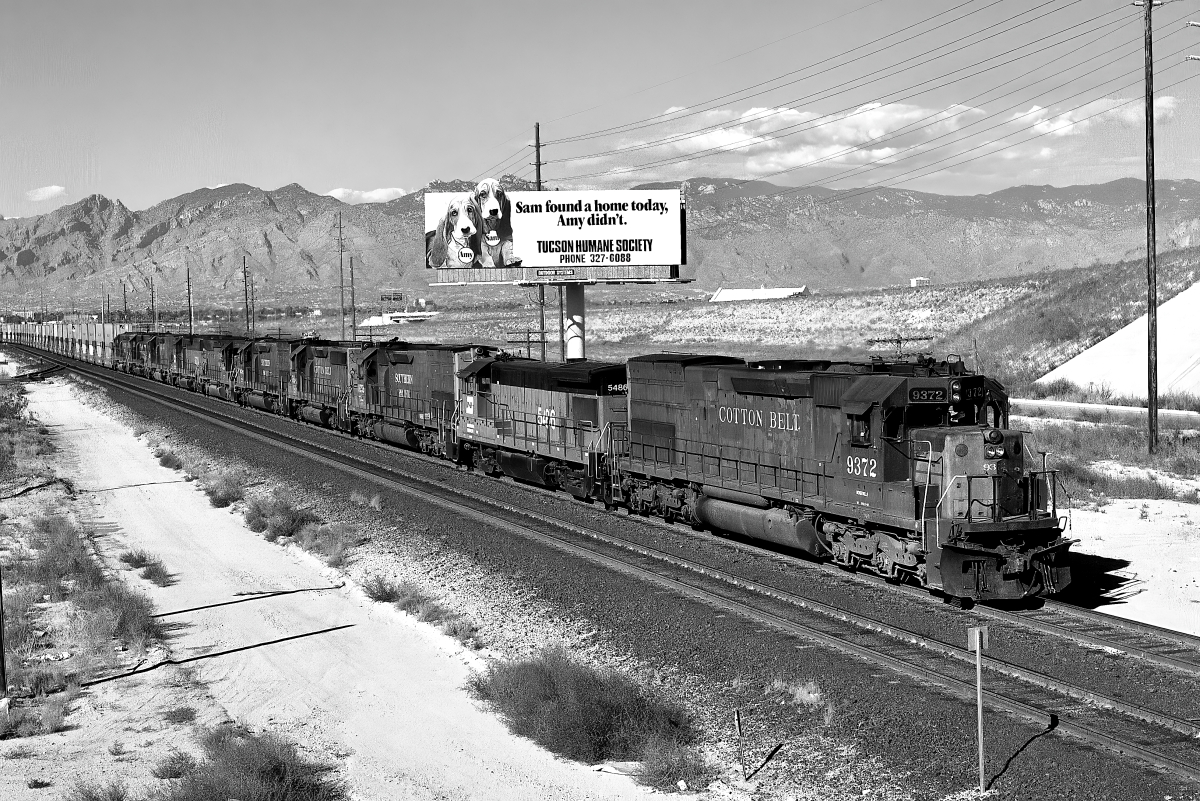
column 903, row 467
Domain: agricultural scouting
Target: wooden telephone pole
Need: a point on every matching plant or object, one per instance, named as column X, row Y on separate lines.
column 537, row 166
column 246, row 291
column 341, row 276
column 1151, row 255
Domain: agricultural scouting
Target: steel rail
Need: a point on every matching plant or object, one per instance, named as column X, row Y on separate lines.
column 387, row 477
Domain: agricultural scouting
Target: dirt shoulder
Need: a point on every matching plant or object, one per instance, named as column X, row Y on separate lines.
column 279, row 644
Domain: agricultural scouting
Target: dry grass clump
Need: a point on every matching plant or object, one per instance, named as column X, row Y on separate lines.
column 136, row 559
column 168, row 458
column 175, row 765
column 237, row 764
column 374, row 502
column 331, row 540
column 276, row 516
column 410, row 597
column 180, row 714
column 63, row 562
column 157, row 572
column 225, row 487
column 590, row 715
column 113, row 791
column 378, row 588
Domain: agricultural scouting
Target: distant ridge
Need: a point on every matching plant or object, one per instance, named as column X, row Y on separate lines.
column 741, row 234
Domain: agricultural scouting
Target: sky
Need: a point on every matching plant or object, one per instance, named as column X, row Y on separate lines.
column 143, row 101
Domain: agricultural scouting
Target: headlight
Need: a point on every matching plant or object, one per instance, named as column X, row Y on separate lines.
column 955, row 386
column 999, row 451
column 990, row 452
column 993, row 436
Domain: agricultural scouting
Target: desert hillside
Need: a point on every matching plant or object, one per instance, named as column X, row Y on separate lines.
column 740, row 234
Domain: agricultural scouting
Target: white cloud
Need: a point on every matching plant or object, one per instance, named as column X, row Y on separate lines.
column 45, row 193
column 1080, row 120
column 356, row 196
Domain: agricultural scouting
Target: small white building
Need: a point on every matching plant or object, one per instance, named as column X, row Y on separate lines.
column 723, row 295
column 913, row 283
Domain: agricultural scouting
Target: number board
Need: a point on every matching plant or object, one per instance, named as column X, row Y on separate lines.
column 927, row 395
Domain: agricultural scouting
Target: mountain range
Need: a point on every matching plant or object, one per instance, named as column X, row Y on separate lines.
column 739, row 234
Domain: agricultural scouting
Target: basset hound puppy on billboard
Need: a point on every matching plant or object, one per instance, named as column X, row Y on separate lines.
column 496, row 211
column 457, row 240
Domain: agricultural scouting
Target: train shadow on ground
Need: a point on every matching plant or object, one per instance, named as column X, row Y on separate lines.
column 1096, row 582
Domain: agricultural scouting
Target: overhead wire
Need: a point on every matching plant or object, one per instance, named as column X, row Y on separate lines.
column 840, row 115
column 693, row 72
column 660, row 119
column 676, row 138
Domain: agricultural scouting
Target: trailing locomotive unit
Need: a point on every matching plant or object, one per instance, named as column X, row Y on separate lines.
column 904, row 468
column 541, row 422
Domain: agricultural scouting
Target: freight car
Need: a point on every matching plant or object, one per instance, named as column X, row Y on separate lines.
column 906, row 468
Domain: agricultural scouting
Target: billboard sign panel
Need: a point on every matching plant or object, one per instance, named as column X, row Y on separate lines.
column 580, row 235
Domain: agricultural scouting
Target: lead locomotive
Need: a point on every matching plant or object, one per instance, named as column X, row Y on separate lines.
column 907, row 468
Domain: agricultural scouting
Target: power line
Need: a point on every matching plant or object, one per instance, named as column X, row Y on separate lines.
column 833, row 116
column 893, row 182
column 660, row 119
column 693, row 72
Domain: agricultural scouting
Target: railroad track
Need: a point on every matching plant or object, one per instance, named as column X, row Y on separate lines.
column 1156, row 737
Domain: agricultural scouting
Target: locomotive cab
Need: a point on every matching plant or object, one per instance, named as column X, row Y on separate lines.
column 989, row 511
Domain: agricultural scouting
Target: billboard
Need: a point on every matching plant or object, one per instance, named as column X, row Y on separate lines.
column 493, row 236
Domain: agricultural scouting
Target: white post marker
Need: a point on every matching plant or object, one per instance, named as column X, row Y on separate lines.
column 977, row 640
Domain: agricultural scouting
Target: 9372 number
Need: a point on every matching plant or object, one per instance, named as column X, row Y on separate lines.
column 861, row 466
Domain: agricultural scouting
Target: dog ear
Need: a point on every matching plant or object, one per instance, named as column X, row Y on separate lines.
column 505, row 227
column 436, row 254
column 477, row 239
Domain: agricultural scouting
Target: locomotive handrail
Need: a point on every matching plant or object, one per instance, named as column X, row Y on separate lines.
column 938, row 517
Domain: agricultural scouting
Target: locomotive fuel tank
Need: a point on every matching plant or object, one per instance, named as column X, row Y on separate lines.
column 779, row 526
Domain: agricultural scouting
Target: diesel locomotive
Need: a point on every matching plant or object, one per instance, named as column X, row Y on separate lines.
column 904, row 467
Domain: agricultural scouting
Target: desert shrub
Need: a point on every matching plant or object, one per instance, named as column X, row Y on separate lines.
column 137, row 559
column 20, row 722
column 175, row 765
column 54, row 713
column 576, row 711
column 249, row 767
column 133, row 619
column 410, row 597
column 225, row 487
column 666, row 761
column 432, row 612
column 113, row 791
column 157, row 572
column 331, row 540
column 39, row 784
column 20, row 752
column 276, row 517
column 463, row 630
column 377, row 588
column 18, row 624
column 180, row 714
column 62, row 556
column 170, row 460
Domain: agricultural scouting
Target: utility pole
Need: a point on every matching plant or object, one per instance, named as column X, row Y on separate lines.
column 191, row 316
column 1151, row 255
column 341, row 276
column 537, row 162
column 253, row 307
column 125, row 300
column 153, row 303
column 353, row 312
column 246, row 291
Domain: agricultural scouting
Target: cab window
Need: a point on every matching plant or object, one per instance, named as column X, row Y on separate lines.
column 860, row 429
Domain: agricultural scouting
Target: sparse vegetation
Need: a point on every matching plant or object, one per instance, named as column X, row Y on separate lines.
column 247, row 767
column 113, row 791
column 180, row 714
column 39, row 784
column 331, row 540
column 157, row 572
column 410, row 597
column 590, row 715
column 175, row 765
column 378, row 588
column 225, row 487
column 168, row 458
column 276, row 516
column 137, row 559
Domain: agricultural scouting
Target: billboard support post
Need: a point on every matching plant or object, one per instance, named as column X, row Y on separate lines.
column 576, row 317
